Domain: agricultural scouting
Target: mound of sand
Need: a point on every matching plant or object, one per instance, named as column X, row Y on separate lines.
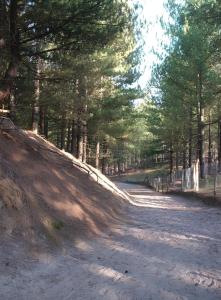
column 47, row 194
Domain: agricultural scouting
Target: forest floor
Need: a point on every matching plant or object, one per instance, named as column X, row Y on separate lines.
column 169, row 248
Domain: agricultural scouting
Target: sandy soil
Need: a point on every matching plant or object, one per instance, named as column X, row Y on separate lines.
column 51, row 194
column 170, row 248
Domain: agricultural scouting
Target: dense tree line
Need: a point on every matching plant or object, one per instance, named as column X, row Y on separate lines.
column 185, row 114
column 67, row 71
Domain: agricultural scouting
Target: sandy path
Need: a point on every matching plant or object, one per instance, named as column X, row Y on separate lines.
column 170, row 249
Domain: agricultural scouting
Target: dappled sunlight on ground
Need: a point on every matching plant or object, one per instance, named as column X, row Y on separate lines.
column 169, row 249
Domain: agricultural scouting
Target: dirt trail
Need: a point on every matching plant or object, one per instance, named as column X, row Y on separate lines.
column 169, row 249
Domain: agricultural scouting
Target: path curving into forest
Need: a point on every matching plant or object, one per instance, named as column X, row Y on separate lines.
column 170, row 248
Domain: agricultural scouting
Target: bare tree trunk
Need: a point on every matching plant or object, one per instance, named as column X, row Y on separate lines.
column 84, row 158
column 104, row 159
column 58, row 137
column 7, row 85
column 4, row 26
column 68, row 144
column 171, row 160
column 119, row 167
column 219, row 144
column 35, row 108
column 74, row 139
column 12, row 114
column 184, row 160
column 97, row 154
column 200, row 123
column 41, row 120
column 209, row 145
column 63, row 131
column 190, row 140
column 177, row 159
column 45, row 125
column 79, row 141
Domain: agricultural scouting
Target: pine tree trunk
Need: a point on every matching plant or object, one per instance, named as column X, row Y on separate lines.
column 4, row 26
column 219, row 144
column 74, row 139
column 184, row 161
column 104, row 159
column 84, row 158
column 68, row 137
column 97, row 154
column 35, row 108
column 190, row 141
column 79, row 141
column 177, row 159
column 46, row 125
column 41, row 121
column 115, row 168
column 119, row 167
column 171, row 160
column 63, row 132
column 7, row 85
column 58, row 137
column 12, row 114
column 200, row 123
column 209, row 145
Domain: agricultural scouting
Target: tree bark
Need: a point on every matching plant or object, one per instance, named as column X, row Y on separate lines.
column 63, row 132
column 84, row 158
column 12, row 114
column 104, row 159
column 171, row 160
column 190, row 140
column 219, row 144
column 36, row 105
column 68, row 148
column 7, row 85
column 97, row 154
column 177, row 159
column 79, row 141
column 74, row 139
column 209, row 146
column 200, row 123
column 41, row 121
column 45, row 124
